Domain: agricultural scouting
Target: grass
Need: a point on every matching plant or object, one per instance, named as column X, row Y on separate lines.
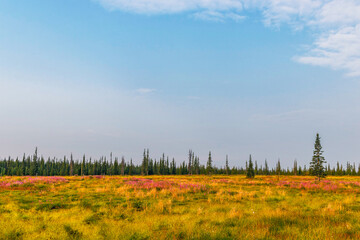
column 179, row 207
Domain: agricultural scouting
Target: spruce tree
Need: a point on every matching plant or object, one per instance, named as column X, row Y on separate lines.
column 209, row 167
column 167, row 166
column 42, row 170
column 111, row 169
column 116, row 166
column 278, row 168
column 267, row 172
column 250, row 173
column 173, row 167
column 131, row 167
column 317, row 163
column 83, row 166
column 147, row 163
column 122, row 166
column 295, row 169
column 191, row 156
column 23, row 166
column 71, row 165
column 227, row 170
column 33, row 164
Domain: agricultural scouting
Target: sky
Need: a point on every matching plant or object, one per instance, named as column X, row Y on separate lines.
column 234, row 77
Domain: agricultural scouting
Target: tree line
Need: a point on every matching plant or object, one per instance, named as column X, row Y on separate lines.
column 35, row 165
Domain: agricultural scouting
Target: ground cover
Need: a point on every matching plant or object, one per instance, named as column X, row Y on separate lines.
column 179, row 207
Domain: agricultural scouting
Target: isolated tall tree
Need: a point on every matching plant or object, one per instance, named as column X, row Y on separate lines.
column 318, row 161
column 250, row 173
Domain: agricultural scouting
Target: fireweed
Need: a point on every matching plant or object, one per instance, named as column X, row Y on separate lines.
column 179, row 207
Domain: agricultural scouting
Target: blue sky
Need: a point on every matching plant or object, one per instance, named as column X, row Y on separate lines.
column 235, row 77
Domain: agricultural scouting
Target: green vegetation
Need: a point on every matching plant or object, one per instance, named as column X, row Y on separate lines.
column 38, row 166
column 317, row 164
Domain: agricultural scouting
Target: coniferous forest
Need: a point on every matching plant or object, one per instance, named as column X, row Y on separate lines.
column 38, row 165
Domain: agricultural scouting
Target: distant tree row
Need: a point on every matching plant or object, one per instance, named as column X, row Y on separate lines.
column 36, row 165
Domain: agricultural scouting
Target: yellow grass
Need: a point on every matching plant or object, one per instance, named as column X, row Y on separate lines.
column 179, row 207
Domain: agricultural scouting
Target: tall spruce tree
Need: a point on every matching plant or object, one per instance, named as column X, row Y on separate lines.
column 250, row 173
column 209, row 168
column 317, row 163
column 278, row 168
column 71, row 165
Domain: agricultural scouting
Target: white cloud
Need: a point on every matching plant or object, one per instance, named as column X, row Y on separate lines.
column 293, row 12
column 338, row 13
column 338, row 49
column 145, row 90
column 170, row 6
column 337, row 46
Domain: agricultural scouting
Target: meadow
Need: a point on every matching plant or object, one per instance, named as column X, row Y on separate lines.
column 179, row 207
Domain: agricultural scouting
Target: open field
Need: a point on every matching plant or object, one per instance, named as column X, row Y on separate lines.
column 179, row 207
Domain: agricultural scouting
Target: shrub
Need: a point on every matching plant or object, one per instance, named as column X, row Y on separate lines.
column 72, row 233
column 13, row 235
column 51, row 206
column 138, row 205
column 92, row 219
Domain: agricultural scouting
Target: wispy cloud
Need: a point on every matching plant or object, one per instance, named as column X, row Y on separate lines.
column 145, row 90
column 338, row 22
column 285, row 116
column 170, row 6
column 338, row 49
column 217, row 16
